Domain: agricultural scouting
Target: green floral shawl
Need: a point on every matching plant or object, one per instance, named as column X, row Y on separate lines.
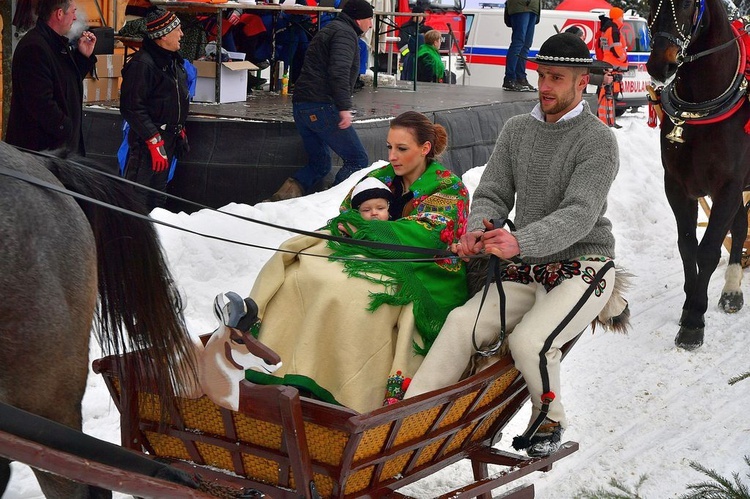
column 434, row 218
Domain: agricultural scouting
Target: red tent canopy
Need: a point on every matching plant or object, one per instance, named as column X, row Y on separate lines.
column 583, row 5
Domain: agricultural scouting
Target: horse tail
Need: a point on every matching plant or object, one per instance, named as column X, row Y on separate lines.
column 139, row 307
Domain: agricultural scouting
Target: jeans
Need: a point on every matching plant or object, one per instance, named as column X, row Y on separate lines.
column 318, row 125
column 521, row 38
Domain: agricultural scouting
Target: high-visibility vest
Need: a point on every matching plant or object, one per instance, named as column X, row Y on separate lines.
column 610, row 46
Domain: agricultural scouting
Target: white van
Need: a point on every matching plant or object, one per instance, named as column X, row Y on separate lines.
column 487, row 39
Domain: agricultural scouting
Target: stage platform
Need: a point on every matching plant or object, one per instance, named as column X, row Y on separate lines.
column 242, row 152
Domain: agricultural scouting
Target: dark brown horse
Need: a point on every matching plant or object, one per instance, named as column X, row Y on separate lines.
column 60, row 257
column 704, row 145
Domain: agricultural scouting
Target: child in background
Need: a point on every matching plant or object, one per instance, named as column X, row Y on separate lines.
column 371, row 198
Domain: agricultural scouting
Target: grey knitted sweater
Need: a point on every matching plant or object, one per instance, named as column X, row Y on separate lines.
column 559, row 175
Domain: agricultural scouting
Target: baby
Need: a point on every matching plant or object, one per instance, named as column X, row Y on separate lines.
column 372, row 198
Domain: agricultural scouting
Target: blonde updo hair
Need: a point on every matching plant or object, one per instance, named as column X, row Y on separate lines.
column 424, row 131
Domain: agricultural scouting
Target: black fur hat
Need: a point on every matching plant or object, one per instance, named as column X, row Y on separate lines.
column 566, row 49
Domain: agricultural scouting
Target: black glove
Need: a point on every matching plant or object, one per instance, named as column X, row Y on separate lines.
column 182, row 146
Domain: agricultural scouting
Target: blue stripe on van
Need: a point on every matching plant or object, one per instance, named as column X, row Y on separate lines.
column 634, row 58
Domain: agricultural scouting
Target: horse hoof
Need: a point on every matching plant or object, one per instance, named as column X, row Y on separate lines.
column 731, row 302
column 689, row 338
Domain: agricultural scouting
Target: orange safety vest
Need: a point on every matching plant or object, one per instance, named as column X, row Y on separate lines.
column 613, row 49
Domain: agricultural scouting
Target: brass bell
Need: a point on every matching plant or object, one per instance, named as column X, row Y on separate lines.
column 676, row 134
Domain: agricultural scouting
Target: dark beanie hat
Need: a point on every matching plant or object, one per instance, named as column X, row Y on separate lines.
column 369, row 188
column 160, row 22
column 358, row 9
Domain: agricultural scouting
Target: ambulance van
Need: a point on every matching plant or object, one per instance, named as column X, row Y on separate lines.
column 486, row 40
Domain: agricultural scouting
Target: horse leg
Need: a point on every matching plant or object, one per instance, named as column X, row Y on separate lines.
column 4, row 475
column 685, row 211
column 723, row 212
column 57, row 486
column 732, row 300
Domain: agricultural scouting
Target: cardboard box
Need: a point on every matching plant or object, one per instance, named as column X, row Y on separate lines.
column 233, row 81
column 109, row 66
column 101, row 89
column 236, row 56
column 105, row 40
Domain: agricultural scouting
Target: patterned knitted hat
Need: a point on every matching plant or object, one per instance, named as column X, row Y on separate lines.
column 160, row 22
column 370, row 188
column 566, row 49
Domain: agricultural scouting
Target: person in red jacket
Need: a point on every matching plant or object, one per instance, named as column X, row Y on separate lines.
column 611, row 48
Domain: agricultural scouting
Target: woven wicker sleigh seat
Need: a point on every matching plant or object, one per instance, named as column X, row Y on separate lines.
column 277, row 436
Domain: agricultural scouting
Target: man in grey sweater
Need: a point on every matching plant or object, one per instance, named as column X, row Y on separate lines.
column 555, row 166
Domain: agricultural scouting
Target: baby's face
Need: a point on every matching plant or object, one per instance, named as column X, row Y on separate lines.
column 374, row 209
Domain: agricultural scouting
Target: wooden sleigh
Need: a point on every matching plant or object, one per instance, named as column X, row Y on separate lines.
column 285, row 445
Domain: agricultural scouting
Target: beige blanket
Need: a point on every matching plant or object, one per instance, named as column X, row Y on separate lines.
column 316, row 319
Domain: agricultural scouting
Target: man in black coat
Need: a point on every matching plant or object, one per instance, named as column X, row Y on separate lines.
column 322, row 101
column 154, row 100
column 47, row 96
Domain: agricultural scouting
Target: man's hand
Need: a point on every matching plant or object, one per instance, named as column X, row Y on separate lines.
column 469, row 244
column 86, row 43
column 345, row 119
column 499, row 242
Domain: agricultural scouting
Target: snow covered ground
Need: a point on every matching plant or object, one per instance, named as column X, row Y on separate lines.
column 636, row 403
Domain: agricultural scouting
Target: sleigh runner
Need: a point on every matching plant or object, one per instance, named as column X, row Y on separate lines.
column 286, row 445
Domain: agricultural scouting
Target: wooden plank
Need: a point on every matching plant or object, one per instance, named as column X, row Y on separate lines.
column 522, row 467
column 90, row 472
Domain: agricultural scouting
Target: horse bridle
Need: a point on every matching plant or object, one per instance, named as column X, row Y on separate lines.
column 680, row 111
column 682, row 40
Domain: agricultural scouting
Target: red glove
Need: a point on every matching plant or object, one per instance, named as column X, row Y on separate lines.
column 158, row 153
column 234, row 17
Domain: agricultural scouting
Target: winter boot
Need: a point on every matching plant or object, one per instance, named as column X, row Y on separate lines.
column 511, row 85
column 288, row 190
column 526, row 86
column 546, row 440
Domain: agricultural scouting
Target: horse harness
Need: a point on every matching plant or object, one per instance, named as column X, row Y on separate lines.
column 681, row 112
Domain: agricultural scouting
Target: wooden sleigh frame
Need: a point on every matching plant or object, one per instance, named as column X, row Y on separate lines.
column 285, row 445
